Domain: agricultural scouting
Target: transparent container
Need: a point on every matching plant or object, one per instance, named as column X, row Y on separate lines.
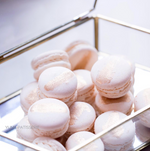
column 84, row 27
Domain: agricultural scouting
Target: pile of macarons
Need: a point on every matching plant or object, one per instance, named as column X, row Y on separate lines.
column 76, row 96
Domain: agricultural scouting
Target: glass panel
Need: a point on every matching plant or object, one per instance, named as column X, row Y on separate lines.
column 23, row 20
column 6, row 144
column 18, row 71
column 117, row 39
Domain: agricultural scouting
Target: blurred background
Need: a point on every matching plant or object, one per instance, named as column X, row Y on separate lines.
column 23, row 20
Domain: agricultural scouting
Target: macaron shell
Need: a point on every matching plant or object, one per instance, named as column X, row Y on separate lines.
column 74, row 44
column 119, row 138
column 55, row 112
column 49, row 56
column 57, row 82
column 49, row 143
column 49, row 59
column 83, row 56
column 28, row 96
column 72, row 99
column 38, row 72
column 50, row 116
column 131, row 63
column 79, row 137
column 24, row 130
column 84, row 81
column 88, row 97
column 78, row 121
column 141, row 100
column 112, row 76
column 117, row 72
column 123, row 104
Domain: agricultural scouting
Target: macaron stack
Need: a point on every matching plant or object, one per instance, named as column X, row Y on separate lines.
column 71, row 87
column 113, row 78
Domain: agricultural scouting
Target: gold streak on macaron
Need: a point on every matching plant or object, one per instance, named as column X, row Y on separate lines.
column 48, row 107
column 81, row 82
column 62, row 78
column 32, row 97
column 147, row 96
column 76, row 112
column 113, row 118
column 106, row 74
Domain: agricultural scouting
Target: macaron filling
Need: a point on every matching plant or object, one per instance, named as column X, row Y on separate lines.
column 122, row 90
column 54, row 59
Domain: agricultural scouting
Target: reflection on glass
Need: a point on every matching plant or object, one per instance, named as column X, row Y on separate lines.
column 6, row 144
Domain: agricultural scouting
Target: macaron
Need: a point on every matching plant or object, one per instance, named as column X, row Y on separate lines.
column 122, row 137
column 142, row 132
column 25, row 130
column 81, row 55
column 49, row 144
column 50, row 116
column 85, row 87
column 79, row 111
column 49, row 59
column 141, row 100
column 80, row 137
column 58, row 82
column 123, row 104
column 28, row 96
column 112, row 76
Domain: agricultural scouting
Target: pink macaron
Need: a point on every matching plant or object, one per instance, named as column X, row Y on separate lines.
column 81, row 55
column 142, row 132
column 123, row 104
column 49, row 144
column 141, row 100
column 50, row 116
column 112, row 76
column 80, row 137
column 85, row 87
column 25, row 130
column 49, row 59
column 60, row 83
column 28, row 96
column 119, row 139
column 79, row 111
